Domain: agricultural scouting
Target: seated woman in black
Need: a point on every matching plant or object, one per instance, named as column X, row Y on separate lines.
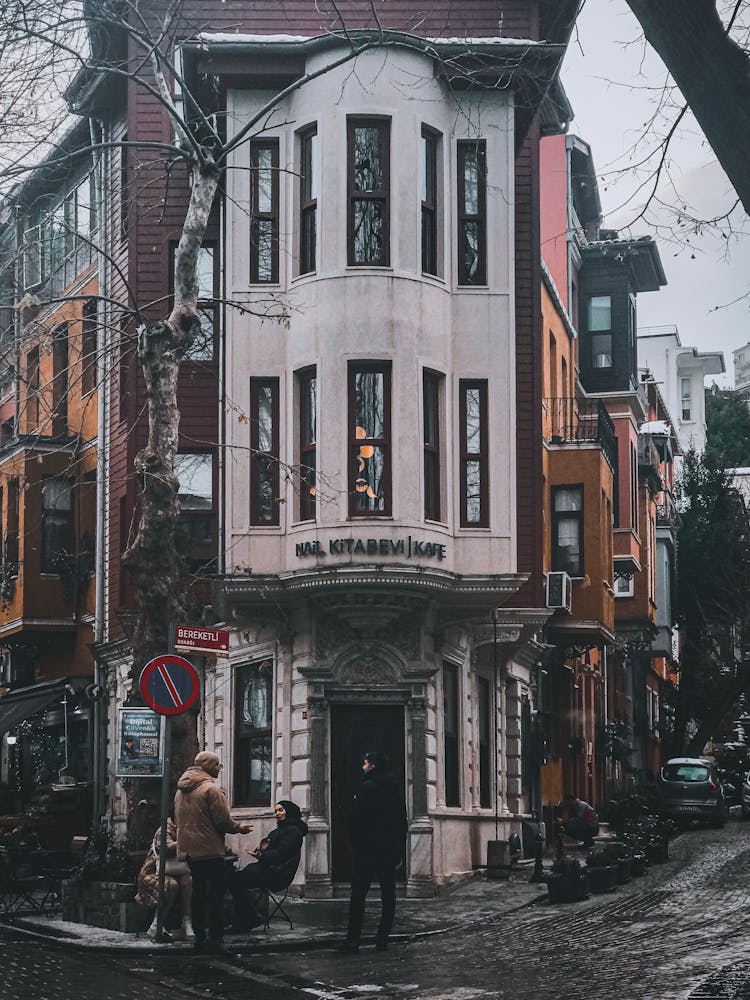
column 278, row 857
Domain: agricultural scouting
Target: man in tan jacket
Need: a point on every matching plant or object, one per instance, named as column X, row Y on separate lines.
column 201, row 814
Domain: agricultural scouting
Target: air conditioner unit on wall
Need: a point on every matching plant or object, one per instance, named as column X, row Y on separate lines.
column 559, row 591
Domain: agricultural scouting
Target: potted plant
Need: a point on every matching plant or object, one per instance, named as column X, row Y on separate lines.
column 602, row 869
column 568, row 882
column 622, row 856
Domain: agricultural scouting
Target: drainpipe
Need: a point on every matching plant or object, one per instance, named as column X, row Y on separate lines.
column 99, row 705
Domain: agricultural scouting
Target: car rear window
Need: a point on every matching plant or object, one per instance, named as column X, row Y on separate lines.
column 684, row 772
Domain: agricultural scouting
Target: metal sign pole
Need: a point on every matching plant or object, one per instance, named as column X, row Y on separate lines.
column 161, row 909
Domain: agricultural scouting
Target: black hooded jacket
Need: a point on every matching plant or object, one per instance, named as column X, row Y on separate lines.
column 280, row 859
column 378, row 823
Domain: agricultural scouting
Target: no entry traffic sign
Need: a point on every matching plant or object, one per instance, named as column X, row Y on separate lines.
column 170, row 684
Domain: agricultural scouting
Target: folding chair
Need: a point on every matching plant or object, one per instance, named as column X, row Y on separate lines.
column 274, row 900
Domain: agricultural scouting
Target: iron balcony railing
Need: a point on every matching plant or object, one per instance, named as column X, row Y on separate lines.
column 667, row 515
column 568, row 421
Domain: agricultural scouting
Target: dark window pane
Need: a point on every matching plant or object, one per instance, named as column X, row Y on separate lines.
column 473, row 492
column 368, row 389
column 471, row 181
column 471, row 253
column 450, row 733
column 263, row 245
column 368, row 159
column 485, row 745
column 429, row 242
column 368, row 232
column 264, row 444
column 264, row 180
column 473, row 421
column 308, row 239
column 265, row 418
column 369, row 481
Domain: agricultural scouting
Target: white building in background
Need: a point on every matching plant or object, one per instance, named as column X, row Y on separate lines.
column 741, row 359
column 681, row 372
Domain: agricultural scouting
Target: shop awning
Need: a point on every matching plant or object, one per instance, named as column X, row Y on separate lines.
column 16, row 706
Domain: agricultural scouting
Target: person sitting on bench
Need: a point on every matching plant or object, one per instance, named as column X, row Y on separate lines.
column 581, row 823
column 278, row 856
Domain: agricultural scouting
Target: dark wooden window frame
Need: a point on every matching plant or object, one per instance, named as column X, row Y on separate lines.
column 431, row 390
column 56, row 534
column 60, row 379
column 245, row 734
column 33, row 385
column 383, row 125
column 89, row 347
column 482, row 456
column 485, row 707
column 257, row 456
column 307, row 447
column 480, row 217
column 431, row 203
column 578, row 515
column 257, row 216
column 384, row 443
column 452, row 736
column 200, row 517
column 308, row 204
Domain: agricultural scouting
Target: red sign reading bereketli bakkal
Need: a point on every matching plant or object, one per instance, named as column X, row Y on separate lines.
column 199, row 639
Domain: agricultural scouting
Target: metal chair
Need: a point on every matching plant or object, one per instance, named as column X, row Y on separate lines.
column 274, row 905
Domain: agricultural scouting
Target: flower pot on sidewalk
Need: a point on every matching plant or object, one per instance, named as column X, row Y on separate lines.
column 602, row 878
column 639, row 865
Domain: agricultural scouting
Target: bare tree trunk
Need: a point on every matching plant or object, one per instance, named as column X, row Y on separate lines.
column 153, row 559
column 713, row 74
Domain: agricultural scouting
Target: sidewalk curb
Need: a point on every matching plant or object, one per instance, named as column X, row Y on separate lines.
column 320, row 943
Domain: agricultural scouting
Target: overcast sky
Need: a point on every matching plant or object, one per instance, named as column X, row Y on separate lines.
column 614, row 82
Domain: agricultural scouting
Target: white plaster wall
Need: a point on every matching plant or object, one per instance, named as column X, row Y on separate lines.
column 395, row 314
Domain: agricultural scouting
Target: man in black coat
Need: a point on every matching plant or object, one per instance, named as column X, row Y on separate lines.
column 377, row 832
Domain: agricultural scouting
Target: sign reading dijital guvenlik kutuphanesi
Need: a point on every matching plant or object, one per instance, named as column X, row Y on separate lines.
column 140, row 734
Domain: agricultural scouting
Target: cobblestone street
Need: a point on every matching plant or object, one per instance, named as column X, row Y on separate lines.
column 678, row 934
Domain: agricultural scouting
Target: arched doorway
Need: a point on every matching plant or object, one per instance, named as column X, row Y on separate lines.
column 355, row 730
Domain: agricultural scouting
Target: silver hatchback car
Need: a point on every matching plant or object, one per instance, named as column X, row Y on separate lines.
column 689, row 788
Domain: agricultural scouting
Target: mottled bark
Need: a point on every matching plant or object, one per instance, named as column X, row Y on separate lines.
column 153, row 559
column 712, row 72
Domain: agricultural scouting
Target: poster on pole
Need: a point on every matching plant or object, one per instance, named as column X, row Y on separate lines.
column 140, row 752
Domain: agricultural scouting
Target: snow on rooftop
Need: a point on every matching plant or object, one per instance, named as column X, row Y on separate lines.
column 221, row 37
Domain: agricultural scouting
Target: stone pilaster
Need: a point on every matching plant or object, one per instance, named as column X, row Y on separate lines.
column 420, row 869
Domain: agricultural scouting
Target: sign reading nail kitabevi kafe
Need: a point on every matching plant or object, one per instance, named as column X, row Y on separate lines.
column 395, row 548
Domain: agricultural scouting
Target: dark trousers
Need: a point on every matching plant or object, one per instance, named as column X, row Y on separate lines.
column 579, row 829
column 244, row 886
column 209, row 886
column 366, row 868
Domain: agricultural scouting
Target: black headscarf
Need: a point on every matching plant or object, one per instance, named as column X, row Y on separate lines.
column 293, row 815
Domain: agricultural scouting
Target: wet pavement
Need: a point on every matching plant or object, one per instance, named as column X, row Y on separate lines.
column 680, row 933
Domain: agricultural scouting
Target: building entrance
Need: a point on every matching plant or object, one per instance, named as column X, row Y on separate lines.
column 355, row 730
